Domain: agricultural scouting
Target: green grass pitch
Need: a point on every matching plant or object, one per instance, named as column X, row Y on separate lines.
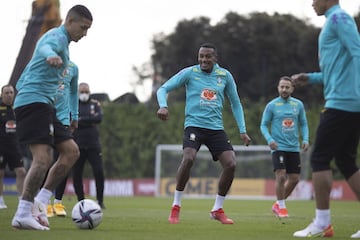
column 145, row 218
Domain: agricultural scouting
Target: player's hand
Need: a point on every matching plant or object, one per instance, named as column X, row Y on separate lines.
column 273, row 146
column 163, row 113
column 73, row 125
column 55, row 61
column 246, row 139
column 300, row 79
column 305, row 147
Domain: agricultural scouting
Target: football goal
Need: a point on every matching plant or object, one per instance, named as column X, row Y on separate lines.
column 253, row 168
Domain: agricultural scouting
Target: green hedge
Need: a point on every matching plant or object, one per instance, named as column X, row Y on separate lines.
column 130, row 132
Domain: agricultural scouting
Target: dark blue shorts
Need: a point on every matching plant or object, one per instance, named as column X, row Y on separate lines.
column 216, row 140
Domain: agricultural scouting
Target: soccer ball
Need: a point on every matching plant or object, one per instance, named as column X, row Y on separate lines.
column 86, row 214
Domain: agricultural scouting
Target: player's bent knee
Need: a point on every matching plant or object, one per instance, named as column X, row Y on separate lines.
column 187, row 161
column 230, row 165
column 72, row 153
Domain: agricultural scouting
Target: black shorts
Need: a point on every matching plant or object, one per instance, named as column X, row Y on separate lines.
column 216, row 140
column 10, row 155
column 337, row 137
column 36, row 123
column 290, row 161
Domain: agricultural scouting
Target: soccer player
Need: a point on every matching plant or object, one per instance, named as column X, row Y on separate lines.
column 285, row 115
column 10, row 153
column 338, row 133
column 67, row 111
column 206, row 85
column 37, row 124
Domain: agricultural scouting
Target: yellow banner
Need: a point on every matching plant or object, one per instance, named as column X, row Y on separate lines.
column 249, row 187
column 209, row 186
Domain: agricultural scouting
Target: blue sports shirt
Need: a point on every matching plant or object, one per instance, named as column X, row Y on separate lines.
column 286, row 117
column 205, row 94
column 67, row 101
column 39, row 81
column 339, row 60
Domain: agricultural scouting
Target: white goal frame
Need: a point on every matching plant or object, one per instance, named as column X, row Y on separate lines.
column 178, row 147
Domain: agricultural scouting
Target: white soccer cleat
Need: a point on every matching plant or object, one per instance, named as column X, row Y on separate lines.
column 27, row 223
column 356, row 235
column 2, row 205
column 314, row 231
column 39, row 212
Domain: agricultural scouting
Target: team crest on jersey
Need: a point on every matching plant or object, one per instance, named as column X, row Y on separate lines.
column 219, row 81
column 208, row 94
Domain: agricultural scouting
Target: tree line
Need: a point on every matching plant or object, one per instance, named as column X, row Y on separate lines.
column 257, row 49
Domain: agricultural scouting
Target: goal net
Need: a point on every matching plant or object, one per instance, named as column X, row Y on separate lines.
column 253, row 167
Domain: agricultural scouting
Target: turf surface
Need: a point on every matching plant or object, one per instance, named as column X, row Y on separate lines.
column 146, row 218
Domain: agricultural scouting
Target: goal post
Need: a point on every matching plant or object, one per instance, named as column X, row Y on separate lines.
column 254, row 172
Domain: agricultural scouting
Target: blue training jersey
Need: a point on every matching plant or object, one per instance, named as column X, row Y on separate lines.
column 205, row 94
column 286, row 117
column 39, row 81
column 339, row 60
column 67, row 101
